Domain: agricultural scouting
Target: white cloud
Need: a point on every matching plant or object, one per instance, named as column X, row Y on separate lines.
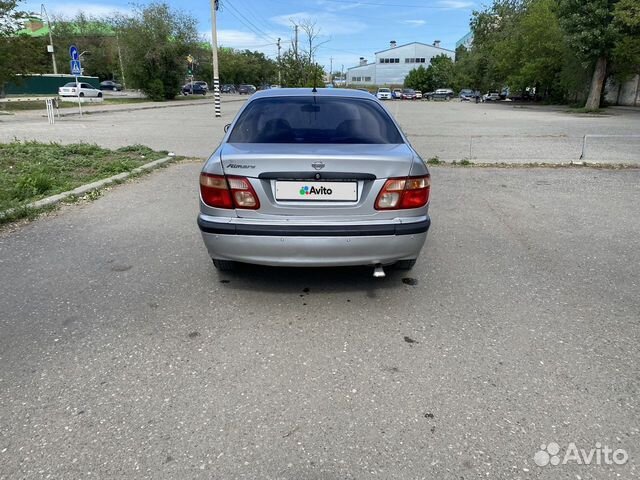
column 327, row 22
column 456, row 4
column 333, row 7
column 413, row 23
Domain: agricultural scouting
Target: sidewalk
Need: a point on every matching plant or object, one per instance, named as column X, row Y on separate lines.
column 91, row 109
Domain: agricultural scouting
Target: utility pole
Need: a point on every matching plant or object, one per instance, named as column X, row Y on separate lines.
column 279, row 66
column 295, row 43
column 214, row 50
column 50, row 46
column 124, row 83
column 331, row 70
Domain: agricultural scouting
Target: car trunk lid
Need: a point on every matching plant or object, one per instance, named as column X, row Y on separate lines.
column 280, row 173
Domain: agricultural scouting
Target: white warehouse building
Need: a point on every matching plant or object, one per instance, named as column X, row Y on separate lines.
column 394, row 64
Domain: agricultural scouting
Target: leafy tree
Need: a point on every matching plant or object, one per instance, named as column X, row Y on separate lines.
column 245, row 67
column 439, row 74
column 94, row 37
column 155, row 42
column 299, row 71
column 418, row 79
column 626, row 53
column 9, row 54
column 591, row 31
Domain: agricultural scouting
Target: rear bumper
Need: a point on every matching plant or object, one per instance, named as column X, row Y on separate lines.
column 314, row 246
column 367, row 230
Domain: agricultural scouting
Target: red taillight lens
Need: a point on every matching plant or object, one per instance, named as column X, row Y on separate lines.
column 402, row 193
column 227, row 192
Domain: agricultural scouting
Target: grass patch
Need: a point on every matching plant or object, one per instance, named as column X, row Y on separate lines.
column 589, row 111
column 465, row 162
column 30, row 171
column 435, row 161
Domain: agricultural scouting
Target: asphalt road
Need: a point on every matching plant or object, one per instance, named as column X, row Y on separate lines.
column 125, row 355
column 491, row 133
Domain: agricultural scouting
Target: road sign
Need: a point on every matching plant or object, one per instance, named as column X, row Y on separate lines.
column 73, row 53
column 76, row 68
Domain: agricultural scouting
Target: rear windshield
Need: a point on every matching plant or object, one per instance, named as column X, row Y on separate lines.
column 315, row 120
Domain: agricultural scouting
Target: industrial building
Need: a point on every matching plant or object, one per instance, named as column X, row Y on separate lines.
column 392, row 65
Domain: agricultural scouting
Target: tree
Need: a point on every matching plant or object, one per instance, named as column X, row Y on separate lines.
column 298, row 71
column 95, row 39
column 245, row 67
column 439, row 74
column 10, row 64
column 417, row 79
column 155, row 43
column 591, row 31
column 626, row 53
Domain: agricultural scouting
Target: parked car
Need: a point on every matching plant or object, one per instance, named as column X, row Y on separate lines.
column 466, row 94
column 193, row 89
column 408, row 94
column 80, row 89
column 246, row 89
column 492, row 96
column 441, row 94
column 309, row 178
column 203, row 84
column 384, row 94
column 110, row 85
column 397, row 93
column 418, row 94
column 228, row 88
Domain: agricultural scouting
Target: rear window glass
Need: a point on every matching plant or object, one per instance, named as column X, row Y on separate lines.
column 315, row 120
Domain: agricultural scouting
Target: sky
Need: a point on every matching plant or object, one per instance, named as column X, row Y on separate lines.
column 348, row 29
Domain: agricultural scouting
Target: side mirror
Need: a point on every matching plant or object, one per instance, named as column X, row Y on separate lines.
column 226, row 127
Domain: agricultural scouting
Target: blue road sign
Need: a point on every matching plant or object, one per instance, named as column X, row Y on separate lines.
column 73, row 52
column 76, row 68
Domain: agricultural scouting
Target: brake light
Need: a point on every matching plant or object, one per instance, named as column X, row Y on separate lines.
column 227, row 192
column 403, row 193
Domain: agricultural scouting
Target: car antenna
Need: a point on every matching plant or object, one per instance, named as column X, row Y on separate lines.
column 315, row 81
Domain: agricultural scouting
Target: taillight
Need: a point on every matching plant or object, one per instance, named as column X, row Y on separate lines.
column 227, row 192
column 402, row 193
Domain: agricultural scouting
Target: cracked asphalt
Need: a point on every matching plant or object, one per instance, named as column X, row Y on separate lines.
column 124, row 354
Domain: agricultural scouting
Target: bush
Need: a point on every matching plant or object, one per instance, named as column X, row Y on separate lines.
column 155, row 90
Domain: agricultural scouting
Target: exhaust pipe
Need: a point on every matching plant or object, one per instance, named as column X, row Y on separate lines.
column 378, row 272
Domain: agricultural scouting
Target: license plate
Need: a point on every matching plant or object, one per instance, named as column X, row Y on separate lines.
column 311, row 191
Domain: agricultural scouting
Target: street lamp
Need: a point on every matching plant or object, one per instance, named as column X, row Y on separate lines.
column 43, row 13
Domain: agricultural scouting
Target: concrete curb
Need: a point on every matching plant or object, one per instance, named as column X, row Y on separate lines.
column 132, row 108
column 90, row 187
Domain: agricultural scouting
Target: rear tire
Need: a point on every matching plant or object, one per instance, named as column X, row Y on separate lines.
column 224, row 265
column 405, row 264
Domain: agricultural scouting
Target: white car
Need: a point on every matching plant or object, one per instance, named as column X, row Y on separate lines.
column 384, row 94
column 418, row 94
column 80, row 89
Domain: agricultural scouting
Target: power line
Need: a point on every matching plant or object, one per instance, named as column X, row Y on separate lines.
column 248, row 23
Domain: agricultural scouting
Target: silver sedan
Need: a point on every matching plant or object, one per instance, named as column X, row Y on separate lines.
column 314, row 179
